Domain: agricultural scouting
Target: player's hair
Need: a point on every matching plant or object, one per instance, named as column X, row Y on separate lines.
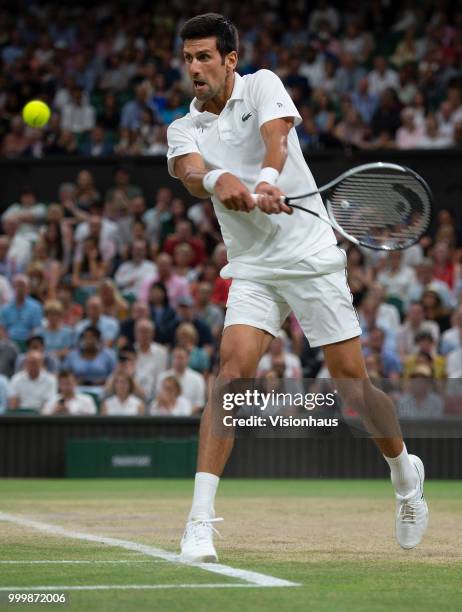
column 212, row 24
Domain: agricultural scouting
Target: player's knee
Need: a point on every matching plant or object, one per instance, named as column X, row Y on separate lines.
column 232, row 369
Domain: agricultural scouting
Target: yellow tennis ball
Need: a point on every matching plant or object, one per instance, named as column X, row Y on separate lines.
column 36, row 113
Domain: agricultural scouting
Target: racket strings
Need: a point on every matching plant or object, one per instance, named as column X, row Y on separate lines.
column 383, row 209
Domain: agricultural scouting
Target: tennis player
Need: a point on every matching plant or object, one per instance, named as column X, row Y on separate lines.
column 239, row 138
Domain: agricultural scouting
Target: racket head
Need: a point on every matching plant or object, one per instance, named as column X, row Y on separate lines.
column 381, row 206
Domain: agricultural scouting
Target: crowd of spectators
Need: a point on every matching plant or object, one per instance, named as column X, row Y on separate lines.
column 114, row 304
column 378, row 74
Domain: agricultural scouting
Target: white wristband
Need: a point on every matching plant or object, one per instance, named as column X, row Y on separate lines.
column 210, row 179
column 268, row 175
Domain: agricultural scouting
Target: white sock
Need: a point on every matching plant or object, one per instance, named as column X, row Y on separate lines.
column 205, row 488
column 403, row 474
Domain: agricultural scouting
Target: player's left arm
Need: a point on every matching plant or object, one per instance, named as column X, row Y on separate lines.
column 275, row 134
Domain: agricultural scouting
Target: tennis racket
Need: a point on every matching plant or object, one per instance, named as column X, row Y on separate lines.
column 378, row 206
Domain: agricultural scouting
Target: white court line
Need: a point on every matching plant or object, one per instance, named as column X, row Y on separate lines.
column 119, row 587
column 73, row 561
column 254, row 578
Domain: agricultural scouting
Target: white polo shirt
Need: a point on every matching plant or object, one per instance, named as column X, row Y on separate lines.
column 232, row 140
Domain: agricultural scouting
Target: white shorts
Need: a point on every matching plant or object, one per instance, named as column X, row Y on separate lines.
column 315, row 289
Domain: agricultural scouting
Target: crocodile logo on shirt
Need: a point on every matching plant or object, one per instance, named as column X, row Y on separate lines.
column 246, row 116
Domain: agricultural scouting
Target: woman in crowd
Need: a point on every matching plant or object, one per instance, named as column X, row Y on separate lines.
column 187, row 337
column 86, row 193
column 164, row 317
column 89, row 270
column 112, row 302
column 91, row 362
column 58, row 337
column 169, row 401
column 124, row 402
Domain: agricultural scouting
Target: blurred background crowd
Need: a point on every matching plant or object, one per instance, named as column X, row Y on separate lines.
column 378, row 74
column 113, row 303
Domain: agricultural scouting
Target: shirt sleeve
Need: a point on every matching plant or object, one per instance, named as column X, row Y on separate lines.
column 271, row 99
column 181, row 141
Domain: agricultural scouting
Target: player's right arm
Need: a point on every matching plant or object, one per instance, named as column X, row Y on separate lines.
column 233, row 194
column 186, row 163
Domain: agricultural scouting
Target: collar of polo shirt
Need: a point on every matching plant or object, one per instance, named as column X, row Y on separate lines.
column 202, row 117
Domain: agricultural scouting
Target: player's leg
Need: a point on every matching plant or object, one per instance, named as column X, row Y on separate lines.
column 253, row 317
column 346, row 364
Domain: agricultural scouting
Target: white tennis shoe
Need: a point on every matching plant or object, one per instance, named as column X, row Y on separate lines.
column 412, row 511
column 197, row 541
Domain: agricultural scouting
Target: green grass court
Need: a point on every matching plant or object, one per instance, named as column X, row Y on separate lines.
column 333, row 538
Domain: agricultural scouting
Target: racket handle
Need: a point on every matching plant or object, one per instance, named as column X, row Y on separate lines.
column 256, row 196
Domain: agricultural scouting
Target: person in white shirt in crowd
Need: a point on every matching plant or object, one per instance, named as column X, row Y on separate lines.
column 446, row 121
column 420, row 400
column 3, row 393
column 387, row 313
column 108, row 326
column 192, row 383
column 368, row 313
column 414, row 324
column 207, row 311
column 382, row 77
column 451, row 339
column 32, row 386
column 169, row 400
column 19, row 247
column 293, row 366
column 130, row 274
column 151, row 357
column 124, row 402
column 410, row 134
column 103, row 231
column 177, row 286
column 134, row 213
column 425, row 281
column 29, row 213
column 78, row 115
column 68, row 401
column 397, row 278
column 433, row 137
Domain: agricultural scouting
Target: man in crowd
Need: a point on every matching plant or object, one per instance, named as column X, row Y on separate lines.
column 68, row 401
column 32, row 386
column 23, row 314
column 192, row 383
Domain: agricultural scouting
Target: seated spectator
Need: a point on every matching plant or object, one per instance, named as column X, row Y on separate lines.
column 78, row 115
column 396, row 278
column 91, row 362
column 104, row 233
column 292, row 364
column 19, row 247
column 432, row 137
column 68, row 401
column 420, row 400
column 177, row 286
column 445, row 269
column 425, row 280
column 184, row 234
column 183, row 257
column 8, row 355
column 58, row 337
column 151, row 357
column 210, row 313
column 382, row 77
column 16, row 142
column 8, row 265
column 451, row 340
column 169, row 401
column 3, row 393
column 351, row 130
column 139, row 310
column 89, row 268
column 425, row 352
column 410, row 134
column 72, row 312
column 98, row 145
column 108, row 326
column 130, row 274
column 187, row 337
column 112, row 303
column 36, row 343
column 57, row 240
column 28, row 212
column 32, row 386
column 413, row 325
column 123, row 402
column 387, row 313
column 434, row 309
column 369, row 319
column 86, row 193
column 391, row 364
column 385, row 121
column 23, row 314
column 122, row 186
column 187, row 314
column 126, row 365
column 6, row 291
column 192, row 383
column 364, row 102
column 162, row 314
column 360, row 276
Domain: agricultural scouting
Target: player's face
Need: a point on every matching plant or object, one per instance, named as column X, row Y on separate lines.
column 208, row 70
